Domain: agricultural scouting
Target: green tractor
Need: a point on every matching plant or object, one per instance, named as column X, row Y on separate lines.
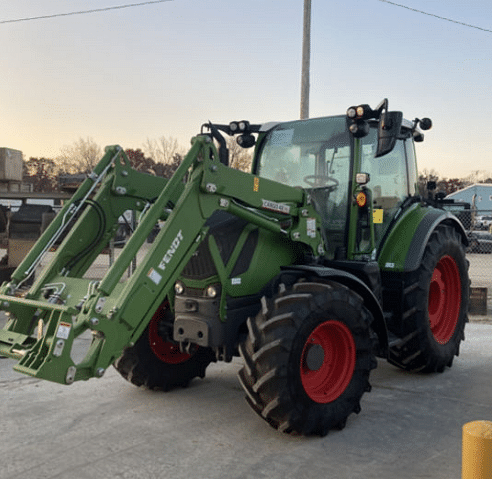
column 320, row 260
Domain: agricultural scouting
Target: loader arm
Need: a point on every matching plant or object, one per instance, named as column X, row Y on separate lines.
column 62, row 304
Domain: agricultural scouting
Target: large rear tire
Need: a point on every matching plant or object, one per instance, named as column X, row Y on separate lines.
column 156, row 361
column 308, row 357
column 435, row 306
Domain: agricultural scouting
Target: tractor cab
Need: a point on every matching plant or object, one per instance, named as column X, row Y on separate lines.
column 357, row 172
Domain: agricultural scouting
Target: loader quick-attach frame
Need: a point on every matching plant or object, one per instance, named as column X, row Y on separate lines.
column 62, row 304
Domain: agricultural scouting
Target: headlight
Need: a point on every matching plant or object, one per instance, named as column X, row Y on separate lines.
column 243, row 125
column 212, row 292
column 179, row 287
column 352, row 112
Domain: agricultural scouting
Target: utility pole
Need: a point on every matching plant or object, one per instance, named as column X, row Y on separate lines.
column 306, row 54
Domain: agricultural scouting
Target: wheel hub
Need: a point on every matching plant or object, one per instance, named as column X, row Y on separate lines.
column 328, row 361
column 314, row 357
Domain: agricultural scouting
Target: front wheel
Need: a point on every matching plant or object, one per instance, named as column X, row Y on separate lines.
column 156, row 361
column 308, row 357
column 435, row 306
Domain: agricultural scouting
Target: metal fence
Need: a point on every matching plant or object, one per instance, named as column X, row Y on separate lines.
column 479, row 227
column 478, row 224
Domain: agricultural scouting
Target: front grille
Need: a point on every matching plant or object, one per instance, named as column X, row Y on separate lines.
column 226, row 230
column 201, row 264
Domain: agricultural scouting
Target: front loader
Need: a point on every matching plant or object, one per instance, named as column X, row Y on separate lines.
column 308, row 268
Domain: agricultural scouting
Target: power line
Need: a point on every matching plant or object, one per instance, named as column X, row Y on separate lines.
column 140, row 4
column 96, row 10
column 436, row 16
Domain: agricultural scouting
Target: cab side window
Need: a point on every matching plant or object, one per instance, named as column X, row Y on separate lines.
column 389, row 184
column 388, row 173
column 412, row 167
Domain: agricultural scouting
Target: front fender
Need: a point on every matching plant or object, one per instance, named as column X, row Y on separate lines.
column 357, row 285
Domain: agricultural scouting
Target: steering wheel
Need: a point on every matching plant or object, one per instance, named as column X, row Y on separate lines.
column 325, row 180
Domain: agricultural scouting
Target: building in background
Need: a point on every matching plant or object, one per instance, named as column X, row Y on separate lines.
column 478, row 195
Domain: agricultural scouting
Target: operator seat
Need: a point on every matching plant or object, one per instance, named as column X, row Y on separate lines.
column 333, row 217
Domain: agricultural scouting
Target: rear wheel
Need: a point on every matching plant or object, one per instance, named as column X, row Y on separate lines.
column 308, row 357
column 156, row 361
column 435, row 305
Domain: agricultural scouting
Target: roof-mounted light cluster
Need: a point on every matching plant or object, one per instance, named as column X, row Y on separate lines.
column 361, row 112
column 239, row 126
column 357, row 126
column 358, row 116
column 365, row 112
column 243, row 129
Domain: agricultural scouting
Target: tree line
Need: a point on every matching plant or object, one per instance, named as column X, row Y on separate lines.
column 450, row 185
column 162, row 157
column 159, row 157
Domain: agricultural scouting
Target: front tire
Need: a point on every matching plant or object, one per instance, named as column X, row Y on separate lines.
column 435, row 306
column 308, row 357
column 156, row 361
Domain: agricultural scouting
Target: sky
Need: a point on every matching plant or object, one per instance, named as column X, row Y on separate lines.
column 124, row 76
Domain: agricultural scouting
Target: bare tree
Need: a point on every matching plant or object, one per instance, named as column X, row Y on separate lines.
column 80, row 157
column 424, row 177
column 478, row 176
column 167, row 170
column 140, row 162
column 167, row 152
column 239, row 157
column 41, row 173
column 163, row 150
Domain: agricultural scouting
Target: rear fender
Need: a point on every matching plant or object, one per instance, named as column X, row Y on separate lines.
column 403, row 249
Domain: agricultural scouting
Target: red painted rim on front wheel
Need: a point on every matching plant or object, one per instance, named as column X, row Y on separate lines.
column 444, row 299
column 166, row 351
column 328, row 361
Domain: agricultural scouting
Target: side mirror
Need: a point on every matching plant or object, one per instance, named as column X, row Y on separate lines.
column 425, row 123
column 388, row 131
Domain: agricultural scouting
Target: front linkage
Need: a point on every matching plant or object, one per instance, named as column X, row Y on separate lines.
column 62, row 304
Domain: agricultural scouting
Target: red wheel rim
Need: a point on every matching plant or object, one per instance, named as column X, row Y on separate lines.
column 167, row 352
column 444, row 299
column 328, row 361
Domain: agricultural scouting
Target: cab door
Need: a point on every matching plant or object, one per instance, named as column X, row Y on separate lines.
column 393, row 178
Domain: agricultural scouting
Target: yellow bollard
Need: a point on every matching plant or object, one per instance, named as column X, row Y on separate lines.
column 477, row 450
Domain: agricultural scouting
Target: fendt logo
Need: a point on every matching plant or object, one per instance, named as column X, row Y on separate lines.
column 172, row 249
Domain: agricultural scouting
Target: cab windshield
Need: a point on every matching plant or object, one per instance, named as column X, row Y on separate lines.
column 313, row 155
column 307, row 154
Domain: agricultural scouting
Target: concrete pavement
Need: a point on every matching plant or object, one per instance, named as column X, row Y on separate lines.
column 409, row 427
